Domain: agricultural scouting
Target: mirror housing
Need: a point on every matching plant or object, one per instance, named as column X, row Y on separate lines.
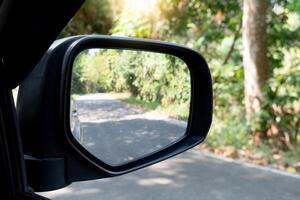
column 43, row 109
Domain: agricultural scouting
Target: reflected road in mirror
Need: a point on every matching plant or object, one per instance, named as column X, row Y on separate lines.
column 117, row 132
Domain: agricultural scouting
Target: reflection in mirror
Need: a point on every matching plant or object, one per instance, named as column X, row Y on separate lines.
column 128, row 104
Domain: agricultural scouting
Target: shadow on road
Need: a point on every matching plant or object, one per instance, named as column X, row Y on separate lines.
column 189, row 176
column 120, row 141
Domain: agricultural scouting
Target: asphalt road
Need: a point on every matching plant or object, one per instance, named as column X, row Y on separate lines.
column 190, row 176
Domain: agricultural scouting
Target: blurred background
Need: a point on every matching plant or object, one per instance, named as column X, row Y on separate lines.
column 252, row 49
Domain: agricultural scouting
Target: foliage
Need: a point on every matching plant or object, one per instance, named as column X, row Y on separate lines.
column 283, row 105
column 150, row 77
column 98, row 12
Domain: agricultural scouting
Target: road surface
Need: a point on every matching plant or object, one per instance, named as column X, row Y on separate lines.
column 190, row 176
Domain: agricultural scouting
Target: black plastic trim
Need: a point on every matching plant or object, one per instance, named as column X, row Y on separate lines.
column 53, row 168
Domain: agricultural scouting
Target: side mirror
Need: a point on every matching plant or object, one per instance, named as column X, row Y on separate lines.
column 75, row 129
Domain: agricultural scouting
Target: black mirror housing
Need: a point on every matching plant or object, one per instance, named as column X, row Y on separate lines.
column 43, row 110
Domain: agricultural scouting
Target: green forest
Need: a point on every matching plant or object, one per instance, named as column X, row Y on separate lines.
column 253, row 51
column 154, row 80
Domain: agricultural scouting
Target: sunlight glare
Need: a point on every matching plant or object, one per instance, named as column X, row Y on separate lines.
column 142, row 6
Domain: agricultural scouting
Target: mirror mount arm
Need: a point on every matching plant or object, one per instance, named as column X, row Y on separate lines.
column 46, row 173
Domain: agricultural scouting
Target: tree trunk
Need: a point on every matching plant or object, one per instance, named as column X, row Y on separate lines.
column 255, row 54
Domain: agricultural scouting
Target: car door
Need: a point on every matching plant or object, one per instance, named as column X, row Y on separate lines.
column 39, row 22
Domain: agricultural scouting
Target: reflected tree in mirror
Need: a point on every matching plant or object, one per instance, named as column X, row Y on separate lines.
column 128, row 104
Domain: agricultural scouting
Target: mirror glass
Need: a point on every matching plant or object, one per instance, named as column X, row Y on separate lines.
column 127, row 104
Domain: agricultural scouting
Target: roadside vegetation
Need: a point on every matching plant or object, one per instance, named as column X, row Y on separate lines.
column 256, row 115
column 173, row 111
